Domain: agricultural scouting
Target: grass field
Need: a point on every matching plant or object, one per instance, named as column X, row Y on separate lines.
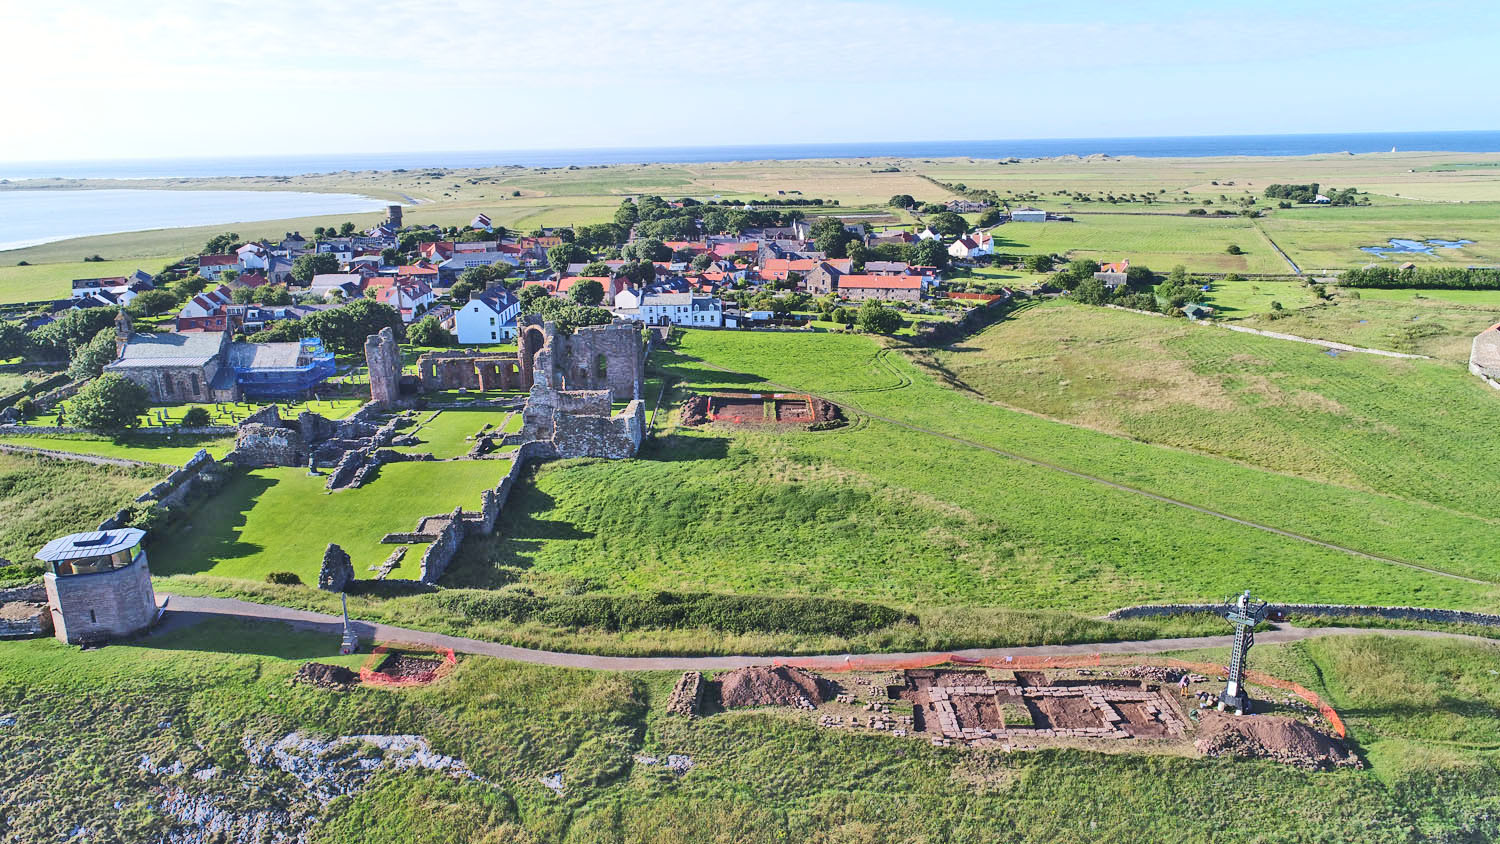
column 1159, row 242
column 1361, row 421
column 1238, row 299
column 281, row 520
column 42, row 498
column 173, row 450
column 1422, row 715
column 1434, row 324
column 53, row 281
column 1318, row 238
column 11, row 382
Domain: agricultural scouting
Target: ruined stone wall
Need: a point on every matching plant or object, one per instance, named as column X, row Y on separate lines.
column 268, row 445
column 25, row 620
column 171, row 492
column 435, row 560
column 104, row 605
column 470, row 371
column 1426, row 614
column 586, row 435
column 383, row 357
column 602, row 357
column 34, row 593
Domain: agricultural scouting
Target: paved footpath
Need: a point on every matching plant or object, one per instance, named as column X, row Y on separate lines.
column 183, row 610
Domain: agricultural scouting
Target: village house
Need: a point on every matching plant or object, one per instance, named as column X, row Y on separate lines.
column 685, row 309
column 1114, row 274
column 253, row 256
column 973, row 245
column 337, row 285
column 114, row 290
column 965, row 206
column 207, row 311
column 929, row 234
column 410, row 297
column 213, row 266
column 893, row 288
column 488, row 317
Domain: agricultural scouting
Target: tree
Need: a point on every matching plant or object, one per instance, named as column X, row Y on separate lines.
column 1038, row 263
column 627, row 214
column 989, row 218
column 307, row 266
column 242, row 295
column 648, row 249
column 148, row 303
column 109, row 403
column 600, row 236
column 529, row 296
column 222, row 244
column 90, row 359
column 948, row 223
column 281, row 331
column 588, row 293
column 196, row 417
column 902, row 200
column 14, row 341
column 876, row 318
column 1091, row 291
column 427, row 331
column 272, row 294
column 1234, row 249
column 344, row 329
column 346, row 229
column 1140, row 277
column 391, row 257
column 59, row 339
column 831, row 238
column 563, row 254
column 1082, row 268
column 929, row 253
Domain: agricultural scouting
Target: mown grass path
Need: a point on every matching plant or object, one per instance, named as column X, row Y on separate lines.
column 184, row 610
column 903, row 381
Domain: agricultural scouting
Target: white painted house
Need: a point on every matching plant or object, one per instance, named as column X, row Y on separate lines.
column 253, row 256
column 972, row 245
column 489, row 317
column 688, row 309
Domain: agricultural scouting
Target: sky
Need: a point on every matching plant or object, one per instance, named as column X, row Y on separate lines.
column 94, row 79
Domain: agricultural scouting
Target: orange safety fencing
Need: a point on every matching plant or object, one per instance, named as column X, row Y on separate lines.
column 878, row 662
column 368, row 672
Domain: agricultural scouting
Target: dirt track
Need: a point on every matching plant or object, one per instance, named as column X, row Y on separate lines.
column 183, row 611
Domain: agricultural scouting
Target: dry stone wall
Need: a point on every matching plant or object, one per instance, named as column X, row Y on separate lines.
column 1426, row 614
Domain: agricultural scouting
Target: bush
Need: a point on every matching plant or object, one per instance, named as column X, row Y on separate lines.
column 146, row 515
column 1234, row 249
column 284, row 578
column 26, row 407
column 196, row 417
column 109, row 403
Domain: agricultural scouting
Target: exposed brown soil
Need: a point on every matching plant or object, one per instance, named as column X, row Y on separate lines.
column 695, row 410
column 1271, row 737
column 826, row 411
column 1140, row 723
column 926, row 678
column 1072, row 712
column 766, row 686
column 334, row 677
column 406, row 667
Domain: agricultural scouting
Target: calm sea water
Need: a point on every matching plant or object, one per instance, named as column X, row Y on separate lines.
column 1189, row 147
column 29, row 217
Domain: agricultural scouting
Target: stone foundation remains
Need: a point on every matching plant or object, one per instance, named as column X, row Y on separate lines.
column 470, row 371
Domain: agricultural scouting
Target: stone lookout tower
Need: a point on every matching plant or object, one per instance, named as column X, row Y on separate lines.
column 98, row 585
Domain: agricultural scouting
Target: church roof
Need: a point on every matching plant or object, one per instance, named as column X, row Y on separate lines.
column 195, row 348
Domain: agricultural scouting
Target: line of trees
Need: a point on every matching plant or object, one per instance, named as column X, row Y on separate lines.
column 1439, row 278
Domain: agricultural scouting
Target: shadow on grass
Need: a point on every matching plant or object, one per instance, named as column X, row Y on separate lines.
column 490, row 562
column 230, row 634
column 675, row 448
column 209, row 531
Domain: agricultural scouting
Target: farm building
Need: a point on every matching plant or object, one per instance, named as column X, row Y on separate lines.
column 1028, row 215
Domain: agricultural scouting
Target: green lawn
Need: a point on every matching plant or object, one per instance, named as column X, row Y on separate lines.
column 169, row 449
column 11, row 382
column 1236, row 299
column 445, row 433
column 281, row 520
column 225, row 413
column 1430, row 325
column 53, row 281
column 1422, row 715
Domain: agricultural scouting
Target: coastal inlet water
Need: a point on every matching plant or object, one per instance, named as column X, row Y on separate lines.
column 29, row 217
column 1402, row 246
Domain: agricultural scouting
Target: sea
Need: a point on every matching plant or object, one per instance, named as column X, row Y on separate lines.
column 32, row 217
column 1163, row 147
column 29, row 217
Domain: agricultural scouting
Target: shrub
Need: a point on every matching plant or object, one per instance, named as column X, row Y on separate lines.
column 196, row 417
column 1234, row 249
column 109, row 403
column 146, row 515
column 284, row 578
column 26, row 407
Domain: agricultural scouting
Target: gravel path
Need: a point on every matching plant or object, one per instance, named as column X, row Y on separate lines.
column 183, row 611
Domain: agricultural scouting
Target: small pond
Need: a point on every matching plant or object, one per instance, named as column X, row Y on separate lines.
column 1400, row 246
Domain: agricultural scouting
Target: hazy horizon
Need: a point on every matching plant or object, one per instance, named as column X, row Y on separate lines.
column 179, row 78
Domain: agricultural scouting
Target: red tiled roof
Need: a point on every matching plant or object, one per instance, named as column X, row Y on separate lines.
column 877, row 282
column 218, row 260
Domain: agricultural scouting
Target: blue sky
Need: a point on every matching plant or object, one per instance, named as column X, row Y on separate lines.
column 161, row 78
